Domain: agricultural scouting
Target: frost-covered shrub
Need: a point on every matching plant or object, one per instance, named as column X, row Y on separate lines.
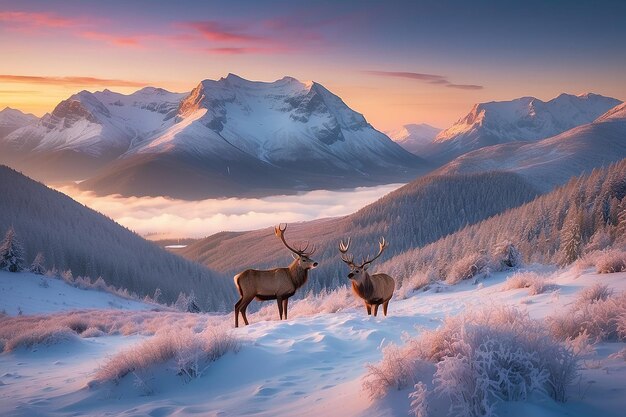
column 596, row 292
column 40, row 335
column 190, row 352
column 419, row 400
column 37, row 267
column 507, row 255
column 611, row 261
column 467, row 267
column 535, row 283
column 602, row 319
column 418, row 280
column 481, row 357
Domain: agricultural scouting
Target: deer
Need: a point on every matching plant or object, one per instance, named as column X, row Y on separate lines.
column 275, row 284
column 374, row 289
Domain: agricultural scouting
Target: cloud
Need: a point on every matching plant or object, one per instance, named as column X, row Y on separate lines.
column 19, row 19
column 218, row 32
column 131, row 41
column 161, row 217
column 428, row 78
column 69, row 81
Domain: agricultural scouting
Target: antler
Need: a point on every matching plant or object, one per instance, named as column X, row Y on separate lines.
column 382, row 245
column 280, row 232
column 343, row 248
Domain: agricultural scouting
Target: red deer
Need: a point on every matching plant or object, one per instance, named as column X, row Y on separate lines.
column 374, row 289
column 276, row 284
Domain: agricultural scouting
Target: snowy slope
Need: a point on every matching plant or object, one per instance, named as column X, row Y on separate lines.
column 554, row 160
column 12, row 119
column 305, row 366
column 37, row 294
column 234, row 136
column 522, row 119
column 414, row 137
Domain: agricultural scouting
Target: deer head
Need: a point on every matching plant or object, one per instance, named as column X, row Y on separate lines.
column 301, row 255
column 359, row 272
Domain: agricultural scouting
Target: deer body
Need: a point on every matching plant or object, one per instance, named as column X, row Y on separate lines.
column 275, row 284
column 374, row 289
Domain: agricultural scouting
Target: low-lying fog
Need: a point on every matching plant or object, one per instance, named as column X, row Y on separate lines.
column 161, row 217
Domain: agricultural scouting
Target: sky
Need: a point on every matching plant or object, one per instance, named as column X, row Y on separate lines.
column 396, row 62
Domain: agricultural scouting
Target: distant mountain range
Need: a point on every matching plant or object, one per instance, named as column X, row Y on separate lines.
column 522, row 119
column 554, row 160
column 229, row 137
column 414, row 137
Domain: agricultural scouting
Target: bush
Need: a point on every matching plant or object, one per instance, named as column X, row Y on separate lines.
column 535, row 283
column 598, row 314
column 467, row 268
column 416, row 281
column 189, row 351
column 611, row 261
column 481, row 357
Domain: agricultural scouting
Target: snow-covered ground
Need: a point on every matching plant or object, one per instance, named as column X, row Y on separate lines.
column 305, row 366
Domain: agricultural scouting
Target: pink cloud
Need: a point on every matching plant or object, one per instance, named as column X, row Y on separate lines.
column 129, row 41
column 69, row 81
column 218, row 32
column 36, row 19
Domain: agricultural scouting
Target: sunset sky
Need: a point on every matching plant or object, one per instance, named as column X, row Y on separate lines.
column 394, row 61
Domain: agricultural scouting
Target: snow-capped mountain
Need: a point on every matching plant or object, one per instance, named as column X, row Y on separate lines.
column 88, row 130
column 12, row 119
column 554, row 160
column 233, row 137
column 414, row 137
column 523, row 119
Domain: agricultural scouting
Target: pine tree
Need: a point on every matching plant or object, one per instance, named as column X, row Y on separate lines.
column 37, row 267
column 620, row 230
column 571, row 237
column 11, row 253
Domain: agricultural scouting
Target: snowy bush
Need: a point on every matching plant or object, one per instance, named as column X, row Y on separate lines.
column 419, row 400
column 189, row 352
column 535, row 283
column 467, row 267
column 481, row 357
column 600, row 318
column 507, row 255
column 39, row 335
column 611, row 261
column 589, row 295
column 417, row 280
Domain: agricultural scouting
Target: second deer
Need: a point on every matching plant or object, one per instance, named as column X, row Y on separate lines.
column 374, row 289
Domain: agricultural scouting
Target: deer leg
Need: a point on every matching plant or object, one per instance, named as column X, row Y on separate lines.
column 279, row 301
column 285, row 302
column 243, row 308
column 237, row 305
column 369, row 309
column 385, row 304
column 376, row 309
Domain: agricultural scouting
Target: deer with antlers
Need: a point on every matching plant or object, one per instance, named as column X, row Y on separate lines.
column 374, row 289
column 275, row 284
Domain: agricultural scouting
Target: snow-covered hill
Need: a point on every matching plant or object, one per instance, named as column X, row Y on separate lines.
column 554, row 160
column 12, row 119
column 523, row 119
column 414, row 137
column 27, row 293
column 309, row 365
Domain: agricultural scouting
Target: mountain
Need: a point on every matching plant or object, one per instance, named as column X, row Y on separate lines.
column 418, row 213
column 552, row 161
column 234, row 137
column 414, row 137
column 523, row 119
column 12, row 119
column 230, row 137
column 87, row 131
column 72, row 236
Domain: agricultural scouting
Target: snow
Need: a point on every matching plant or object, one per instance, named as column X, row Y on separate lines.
column 305, row 366
column 38, row 294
